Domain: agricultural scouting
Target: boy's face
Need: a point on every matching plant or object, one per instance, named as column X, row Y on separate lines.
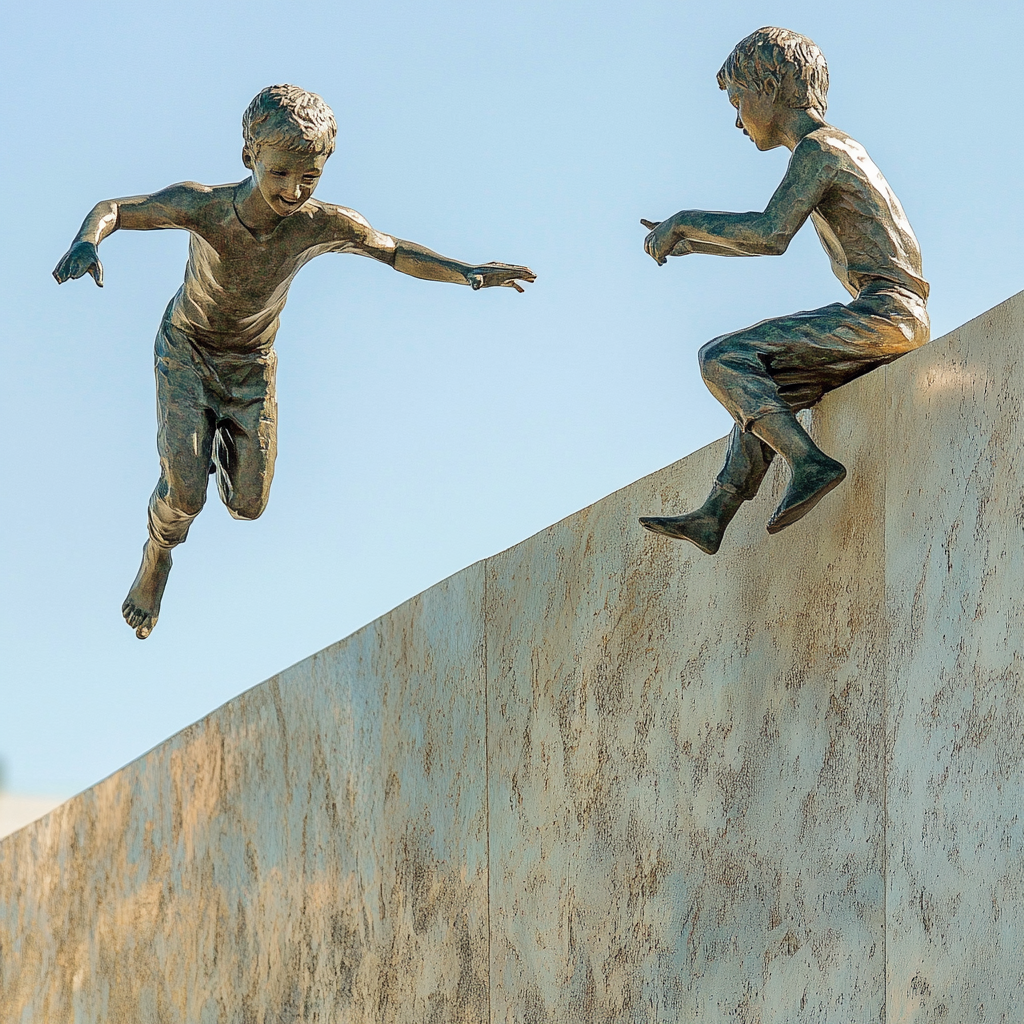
column 285, row 180
column 755, row 115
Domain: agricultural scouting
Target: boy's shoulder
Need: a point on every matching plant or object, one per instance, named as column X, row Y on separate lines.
column 199, row 190
column 339, row 225
column 317, row 209
column 832, row 145
column 195, row 197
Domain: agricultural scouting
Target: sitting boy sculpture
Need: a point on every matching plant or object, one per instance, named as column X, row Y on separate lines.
column 215, row 361
column 777, row 80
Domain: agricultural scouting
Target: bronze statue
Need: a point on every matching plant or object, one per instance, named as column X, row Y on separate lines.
column 777, row 80
column 215, row 359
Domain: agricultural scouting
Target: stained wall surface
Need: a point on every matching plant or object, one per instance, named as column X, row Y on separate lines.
column 315, row 850
column 602, row 776
column 954, row 538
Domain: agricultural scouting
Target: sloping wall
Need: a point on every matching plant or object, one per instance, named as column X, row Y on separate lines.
column 602, row 776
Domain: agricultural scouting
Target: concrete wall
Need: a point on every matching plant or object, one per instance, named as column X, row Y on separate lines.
column 17, row 810
column 603, row 777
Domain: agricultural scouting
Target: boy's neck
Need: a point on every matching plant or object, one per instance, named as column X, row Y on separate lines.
column 793, row 125
column 252, row 209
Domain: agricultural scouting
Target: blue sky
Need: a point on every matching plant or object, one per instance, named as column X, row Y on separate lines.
column 422, row 426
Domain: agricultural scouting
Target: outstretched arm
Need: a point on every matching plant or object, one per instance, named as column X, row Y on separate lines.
column 349, row 231
column 417, row 261
column 172, row 207
column 747, row 234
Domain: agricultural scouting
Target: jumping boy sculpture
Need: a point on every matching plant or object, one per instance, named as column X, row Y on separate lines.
column 215, row 359
column 777, row 80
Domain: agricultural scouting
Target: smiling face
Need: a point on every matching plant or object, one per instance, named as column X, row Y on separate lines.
column 756, row 115
column 285, row 179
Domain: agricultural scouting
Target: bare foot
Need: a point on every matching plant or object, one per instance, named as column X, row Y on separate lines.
column 705, row 527
column 812, row 479
column 698, row 529
column 141, row 607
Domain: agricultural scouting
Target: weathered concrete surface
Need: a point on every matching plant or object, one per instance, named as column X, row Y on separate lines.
column 955, row 601
column 685, row 760
column 315, row 850
column 17, row 811
column 602, row 777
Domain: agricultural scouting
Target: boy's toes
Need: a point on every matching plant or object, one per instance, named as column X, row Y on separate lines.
column 667, row 526
column 138, row 619
column 693, row 527
column 652, row 523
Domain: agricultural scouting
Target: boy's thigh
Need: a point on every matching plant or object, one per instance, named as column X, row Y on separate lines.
column 244, row 452
column 811, row 353
column 185, row 424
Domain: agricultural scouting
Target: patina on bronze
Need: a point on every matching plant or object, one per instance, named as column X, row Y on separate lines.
column 215, row 359
column 777, row 80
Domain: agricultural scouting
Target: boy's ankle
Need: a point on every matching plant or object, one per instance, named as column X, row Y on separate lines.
column 783, row 433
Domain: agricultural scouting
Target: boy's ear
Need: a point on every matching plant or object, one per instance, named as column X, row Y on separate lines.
column 771, row 87
column 247, row 160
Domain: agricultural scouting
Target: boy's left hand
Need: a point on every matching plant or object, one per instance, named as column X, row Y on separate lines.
column 81, row 259
column 499, row 275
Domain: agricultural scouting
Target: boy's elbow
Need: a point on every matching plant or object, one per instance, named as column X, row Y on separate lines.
column 106, row 215
column 776, row 244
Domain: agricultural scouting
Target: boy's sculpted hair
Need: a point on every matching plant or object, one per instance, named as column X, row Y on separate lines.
column 289, row 118
column 777, row 56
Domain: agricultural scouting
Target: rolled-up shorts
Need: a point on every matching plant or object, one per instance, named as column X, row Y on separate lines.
column 790, row 362
column 216, row 413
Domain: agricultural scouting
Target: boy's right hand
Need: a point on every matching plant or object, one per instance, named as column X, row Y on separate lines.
column 661, row 243
column 81, row 259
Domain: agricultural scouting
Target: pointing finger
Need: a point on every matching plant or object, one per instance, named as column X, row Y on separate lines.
column 649, row 224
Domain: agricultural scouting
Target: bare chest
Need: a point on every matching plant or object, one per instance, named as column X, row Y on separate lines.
column 241, row 267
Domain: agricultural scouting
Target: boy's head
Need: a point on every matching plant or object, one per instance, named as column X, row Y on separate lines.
column 780, row 60
column 289, row 134
column 291, row 119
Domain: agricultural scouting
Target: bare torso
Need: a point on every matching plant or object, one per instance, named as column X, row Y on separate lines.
column 859, row 220
column 236, row 283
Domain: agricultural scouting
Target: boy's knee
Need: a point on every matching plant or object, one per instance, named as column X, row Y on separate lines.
column 727, row 355
column 188, row 504
column 709, row 358
column 247, row 507
column 184, row 499
column 171, row 511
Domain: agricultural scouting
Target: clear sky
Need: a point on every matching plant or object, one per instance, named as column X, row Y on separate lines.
column 422, row 426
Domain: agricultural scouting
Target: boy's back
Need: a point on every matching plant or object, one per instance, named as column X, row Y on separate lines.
column 858, row 218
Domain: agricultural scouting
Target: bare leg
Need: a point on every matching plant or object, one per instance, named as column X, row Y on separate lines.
column 814, row 474
column 746, row 463
column 184, row 441
column 705, row 527
column 141, row 607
